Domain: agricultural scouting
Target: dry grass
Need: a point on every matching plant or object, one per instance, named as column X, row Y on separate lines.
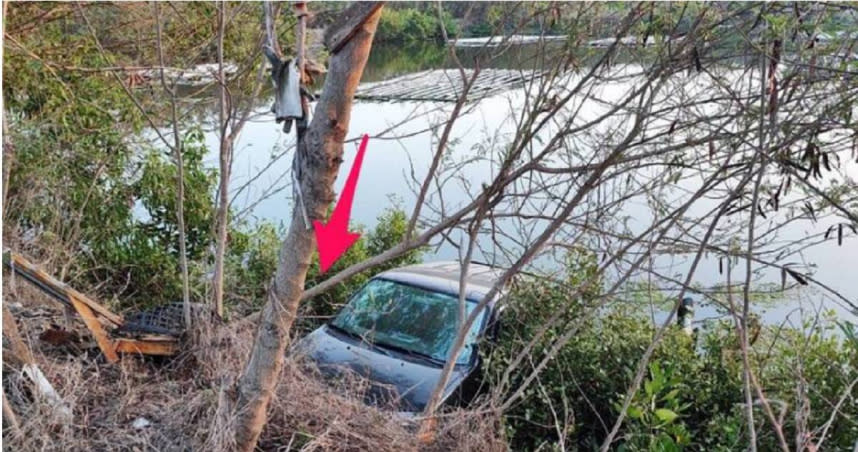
column 188, row 403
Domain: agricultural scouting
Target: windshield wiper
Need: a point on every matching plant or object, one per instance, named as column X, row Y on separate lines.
column 362, row 338
column 384, row 347
column 345, row 331
column 413, row 353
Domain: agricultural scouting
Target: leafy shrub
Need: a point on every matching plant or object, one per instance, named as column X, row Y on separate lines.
column 106, row 215
column 692, row 395
column 84, row 198
column 108, row 219
column 410, row 25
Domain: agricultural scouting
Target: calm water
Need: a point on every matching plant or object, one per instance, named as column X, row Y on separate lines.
column 263, row 157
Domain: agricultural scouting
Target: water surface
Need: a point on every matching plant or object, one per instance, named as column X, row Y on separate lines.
column 263, row 158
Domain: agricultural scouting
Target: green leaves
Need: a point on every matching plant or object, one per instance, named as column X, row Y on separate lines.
column 634, row 412
column 665, row 415
column 401, row 25
column 692, row 394
column 850, row 332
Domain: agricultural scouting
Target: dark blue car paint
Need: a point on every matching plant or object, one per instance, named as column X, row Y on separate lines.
column 399, row 380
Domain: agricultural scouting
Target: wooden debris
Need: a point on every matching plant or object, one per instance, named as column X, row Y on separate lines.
column 105, row 326
column 96, row 328
column 19, row 350
column 55, row 287
column 158, row 347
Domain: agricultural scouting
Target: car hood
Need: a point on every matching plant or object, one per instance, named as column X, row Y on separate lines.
column 394, row 378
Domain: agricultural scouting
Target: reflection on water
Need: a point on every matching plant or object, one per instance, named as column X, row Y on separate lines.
column 387, row 61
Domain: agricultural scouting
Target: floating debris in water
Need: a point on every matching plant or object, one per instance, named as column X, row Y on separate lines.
column 445, row 85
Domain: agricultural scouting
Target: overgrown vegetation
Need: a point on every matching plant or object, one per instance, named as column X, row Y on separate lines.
column 126, row 247
column 94, row 202
column 403, row 25
column 91, row 195
column 692, row 395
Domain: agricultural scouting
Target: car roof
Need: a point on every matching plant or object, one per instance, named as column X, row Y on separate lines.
column 443, row 276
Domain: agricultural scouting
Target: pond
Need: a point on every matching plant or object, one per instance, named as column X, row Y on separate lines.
column 261, row 188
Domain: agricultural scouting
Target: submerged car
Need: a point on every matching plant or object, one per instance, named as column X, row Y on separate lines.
column 397, row 331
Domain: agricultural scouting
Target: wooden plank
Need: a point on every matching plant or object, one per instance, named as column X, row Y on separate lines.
column 19, row 350
column 348, row 23
column 97, row 308
column 145, row 347
column 20, row 264
column 96, row 328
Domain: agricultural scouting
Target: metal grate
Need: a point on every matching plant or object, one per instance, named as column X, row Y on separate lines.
column 165, row 319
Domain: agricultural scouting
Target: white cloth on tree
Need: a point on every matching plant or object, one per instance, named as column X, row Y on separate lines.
column 287, row 89
column 287, row 103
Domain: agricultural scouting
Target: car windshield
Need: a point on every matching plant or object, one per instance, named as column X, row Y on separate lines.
column 401, row 316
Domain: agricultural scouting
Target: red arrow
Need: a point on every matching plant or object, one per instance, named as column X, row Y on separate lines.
column 334, row 238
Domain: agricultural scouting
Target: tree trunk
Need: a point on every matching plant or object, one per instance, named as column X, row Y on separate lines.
column 222, row 220
column 180, row 173
column 318, row 157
